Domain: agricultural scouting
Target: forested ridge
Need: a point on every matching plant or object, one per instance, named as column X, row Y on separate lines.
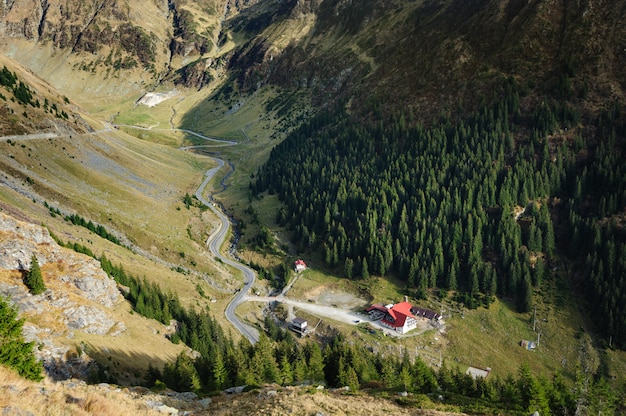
column 467, row 206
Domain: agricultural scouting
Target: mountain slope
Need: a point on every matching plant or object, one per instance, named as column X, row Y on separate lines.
column 81, row 315
column 436, row 55
column 430, row 55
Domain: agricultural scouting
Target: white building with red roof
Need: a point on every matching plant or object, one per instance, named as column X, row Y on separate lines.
column 402, row 317
column 397, row 317
column 299, row 265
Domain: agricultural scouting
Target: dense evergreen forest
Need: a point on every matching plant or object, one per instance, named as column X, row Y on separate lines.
column 484, row 206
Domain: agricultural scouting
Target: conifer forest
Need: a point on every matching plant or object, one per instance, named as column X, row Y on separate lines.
column 484, row 206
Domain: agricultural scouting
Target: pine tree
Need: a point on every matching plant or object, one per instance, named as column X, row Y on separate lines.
column 153, row 374
column 349, row 268
column 524, row 295
column 286, row 371
column 219, row 370
column 182, row 375
column 405, row 378
column 365, row 274
column 347, row 376
column 315, row 362
column 538, row 402
column 34, row 279
column 389, row 374
column 14, row 352
column 299, row 370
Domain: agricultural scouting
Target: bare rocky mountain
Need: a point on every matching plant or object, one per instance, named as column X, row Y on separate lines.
column 146, row 40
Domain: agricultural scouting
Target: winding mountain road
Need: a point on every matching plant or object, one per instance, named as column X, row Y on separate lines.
column 216, row 239
column 214, row 242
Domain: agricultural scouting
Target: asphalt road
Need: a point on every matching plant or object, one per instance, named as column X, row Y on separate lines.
column 214, row 242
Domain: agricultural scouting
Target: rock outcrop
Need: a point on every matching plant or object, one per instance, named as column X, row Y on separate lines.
column 79, row 293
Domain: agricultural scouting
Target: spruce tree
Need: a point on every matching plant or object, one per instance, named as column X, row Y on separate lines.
column 349, row 268
column 219, row 370
column 365, row 274
column 14, row 352
column 315, row 362
column 34, row 279
column 286, row 371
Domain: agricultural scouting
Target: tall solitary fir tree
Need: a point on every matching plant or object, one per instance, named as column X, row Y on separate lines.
column 34, row 279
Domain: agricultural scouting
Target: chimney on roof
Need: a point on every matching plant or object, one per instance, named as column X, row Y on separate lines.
column 406, row 298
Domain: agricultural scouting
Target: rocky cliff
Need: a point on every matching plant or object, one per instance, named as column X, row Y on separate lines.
column 79, row 295
column 149, row 40
column 82, row 27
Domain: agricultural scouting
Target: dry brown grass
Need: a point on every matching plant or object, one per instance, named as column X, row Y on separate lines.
column 18, row 396
column 73, row 398
column 302, row 401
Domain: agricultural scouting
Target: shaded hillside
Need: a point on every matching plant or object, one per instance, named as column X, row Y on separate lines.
column 438, row 55
column 434, row 56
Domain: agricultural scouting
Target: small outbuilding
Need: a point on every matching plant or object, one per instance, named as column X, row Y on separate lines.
column 300, row 326
column 425, row 313
column 299, row 265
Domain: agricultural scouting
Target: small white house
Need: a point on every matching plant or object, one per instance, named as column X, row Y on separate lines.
column 299, row 266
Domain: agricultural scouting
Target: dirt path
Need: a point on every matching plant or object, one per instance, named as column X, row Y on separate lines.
column 30, row 136
column 332, row 312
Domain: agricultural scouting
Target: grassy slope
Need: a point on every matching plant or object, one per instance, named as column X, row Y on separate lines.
column 128, row 354
column 131, row 186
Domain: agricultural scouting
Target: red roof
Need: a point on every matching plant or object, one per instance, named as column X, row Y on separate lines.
column 376, row 306
column 399, row 312
column 300, row 263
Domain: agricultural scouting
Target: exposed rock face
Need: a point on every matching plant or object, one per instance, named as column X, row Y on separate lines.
column 20, row 240
column 15, row 253
column 78, row 296
column 79, row 26
column 195, row 74
column 94, row 283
